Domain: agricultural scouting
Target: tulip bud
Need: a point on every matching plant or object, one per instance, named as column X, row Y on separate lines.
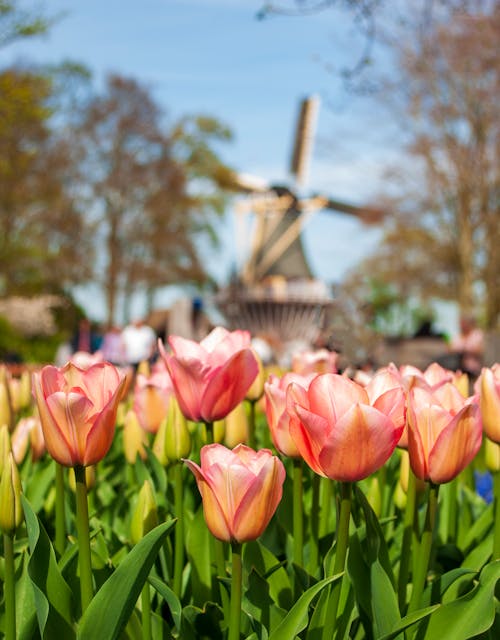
column 374, row 496
column 14, row 386
column 5, row 406
column 144, row 369
column 145, row 515
column 134, row 438
column 11, row 513
column 492, row 455
column 4, row 445
column 461, row 382
column 219, row 431
column 159, row 442
column 257, row 387
column 177, row 437
column 404, row 472
column 236, row 427
column 399, row 497
column 25, row 390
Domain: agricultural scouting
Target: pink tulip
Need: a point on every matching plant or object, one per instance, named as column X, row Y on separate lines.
column 444, row 432
column 152, row 397
column 211, row 377
column 278, row 418
column 77, row 410
column 240, row 489
column 489, row 398
column 28, row 433
column 337, row 430
column 387, row 393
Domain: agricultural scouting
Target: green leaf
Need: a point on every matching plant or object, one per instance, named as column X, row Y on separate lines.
column 410, row 620
column 25, row 604
column 257, row 556
column 298, row 616
column 471, row 614
column 170, row 598
column 51, row 593
column 198, row 549
column 112, row 606
column 384, row 602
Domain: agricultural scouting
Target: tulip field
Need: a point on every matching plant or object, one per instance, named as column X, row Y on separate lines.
column 205, row 496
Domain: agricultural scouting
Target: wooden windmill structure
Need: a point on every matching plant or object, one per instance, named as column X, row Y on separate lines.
column 275, row 293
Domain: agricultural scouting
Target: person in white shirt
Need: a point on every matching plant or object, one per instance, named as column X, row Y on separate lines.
column 139, row 341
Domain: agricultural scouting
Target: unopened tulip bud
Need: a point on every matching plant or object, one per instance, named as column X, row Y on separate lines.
column 236, row 427
column 5, row 405
column 219, row 431
column 399, row 497
column 14, row 394
column 461, row 382
column 145, row 516
column 89, row 478
column 404, row 471
column 177, row 437
column 25, row 389
column 11, row 512
column 489, row 400
column 134, row 438
column 257, row 387
column 4, row 445
column 492, row 455
column 159, row 442
column 374, row 496
column 144, row 369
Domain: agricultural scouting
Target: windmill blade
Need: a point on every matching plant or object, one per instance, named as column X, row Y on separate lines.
column 368, row 215
column 243, row 182
column 304, row 134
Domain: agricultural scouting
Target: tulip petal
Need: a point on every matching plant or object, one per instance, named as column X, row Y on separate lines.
column 100, row 436
column 308, row 432
column 185, row 349
column 214, row 514
column 188, row 380
column 75, row 412
column 331, row 395
column 359, row 444
column 393, row 404
column 490, row 403
column 456, row 445
column 56, row 440
column 228, row 386
column 100, row 382
column 260, row 501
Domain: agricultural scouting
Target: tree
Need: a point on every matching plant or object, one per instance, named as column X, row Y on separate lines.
column 147, row 189
column 42, row 239
column 16, row 22
column 445, row 232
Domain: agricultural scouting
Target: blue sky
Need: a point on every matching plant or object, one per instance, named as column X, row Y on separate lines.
column 215, row 57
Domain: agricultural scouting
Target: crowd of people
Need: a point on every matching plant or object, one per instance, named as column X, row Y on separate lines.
column 126, row 346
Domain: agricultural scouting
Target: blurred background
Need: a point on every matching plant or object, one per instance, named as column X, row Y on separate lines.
column 146, row 148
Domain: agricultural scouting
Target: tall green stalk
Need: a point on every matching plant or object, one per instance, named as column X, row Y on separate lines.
column 209, row 430
column 60, row 540
column 82, row 527
column 251, row 425
column 325, row 507
column 408, row 530
column 496, row 530
column 236, row 591
column 179, row 529
column 9, row 587
column 314, row 525
column 146, row 613
column 424, row 550
column 340, row 558
column 298, row 519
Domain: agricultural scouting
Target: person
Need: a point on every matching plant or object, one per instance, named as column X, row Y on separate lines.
column 139, row 341
column 113, row 348
column 469, row 346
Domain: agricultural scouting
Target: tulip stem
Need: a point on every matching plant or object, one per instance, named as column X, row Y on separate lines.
column 314, row 521
column 9, row 587
column 340, row 558
column 82, row 527
column 424, row 551
column 146, row 612
column 496, row 530
column 326, row 496
column 452, row 488
column 60, row 541
column 236, row 590
column 251, row 425
column 298, row 521
column 179, row 529
column 209, row 430
column 408, row 530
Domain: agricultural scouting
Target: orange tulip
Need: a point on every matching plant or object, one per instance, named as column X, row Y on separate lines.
column 77, row 410
column 489, row 399
column 319, row 361
column 278, row 418
column 240, row 489
column 152, row 397
column 444, row 432
column 336, row 429
column 211, row 377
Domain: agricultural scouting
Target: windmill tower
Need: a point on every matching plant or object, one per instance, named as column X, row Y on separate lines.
column 275, row 293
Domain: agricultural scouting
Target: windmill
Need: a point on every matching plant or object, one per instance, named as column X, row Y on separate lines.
column 275, row 292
